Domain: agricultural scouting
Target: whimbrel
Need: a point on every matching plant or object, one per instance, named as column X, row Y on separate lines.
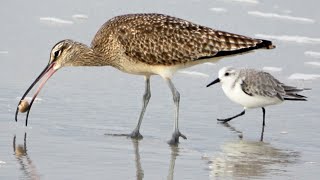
column 148, row 44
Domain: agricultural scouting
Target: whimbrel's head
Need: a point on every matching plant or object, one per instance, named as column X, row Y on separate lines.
column 226, row 75
column 68, row 53
column 64, row 53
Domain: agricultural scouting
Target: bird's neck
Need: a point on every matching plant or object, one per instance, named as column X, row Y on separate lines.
column 230, row 84
column 92, row 58
column 86, row 56
column 227, row 86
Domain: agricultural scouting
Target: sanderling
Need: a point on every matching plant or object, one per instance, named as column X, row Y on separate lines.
column 253, row 89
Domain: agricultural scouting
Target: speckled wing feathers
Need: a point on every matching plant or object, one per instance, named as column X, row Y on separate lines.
column 157, row 39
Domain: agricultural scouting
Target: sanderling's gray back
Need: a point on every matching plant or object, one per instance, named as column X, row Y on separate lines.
column 253, row 89
column 263, row 84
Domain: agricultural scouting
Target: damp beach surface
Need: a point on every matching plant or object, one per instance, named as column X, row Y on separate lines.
column 67, row 136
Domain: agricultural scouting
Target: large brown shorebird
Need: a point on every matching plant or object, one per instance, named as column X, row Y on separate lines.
column 148, row 44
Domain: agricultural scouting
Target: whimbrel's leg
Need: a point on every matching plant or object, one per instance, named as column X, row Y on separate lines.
column 176, row 99
column 146, row 97
column 230, row 118
column 263, row 123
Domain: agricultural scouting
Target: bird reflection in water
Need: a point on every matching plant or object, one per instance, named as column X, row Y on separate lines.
column 233, row 129
column 245, row 159
column 240, row 134
column 174, row 154
column 27, row 166
column 139, row 169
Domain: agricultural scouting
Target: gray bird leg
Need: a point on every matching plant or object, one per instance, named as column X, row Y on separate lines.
column 176, row 99
column 263, row 123
column 145, row 100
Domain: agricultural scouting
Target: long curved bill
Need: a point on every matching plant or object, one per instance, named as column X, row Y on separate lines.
column 214, row 82
column 47, row 72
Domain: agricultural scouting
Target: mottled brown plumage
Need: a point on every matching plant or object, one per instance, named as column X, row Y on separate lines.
column 157, row 39
column 148, row 44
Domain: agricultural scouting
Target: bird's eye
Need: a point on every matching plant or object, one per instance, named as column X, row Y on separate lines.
column 227, row 74
column 57, row 53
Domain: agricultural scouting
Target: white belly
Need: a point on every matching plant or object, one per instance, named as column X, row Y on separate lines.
column 139, row 68
column 238, row 96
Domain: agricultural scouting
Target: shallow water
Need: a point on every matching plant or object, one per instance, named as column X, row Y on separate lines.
column 66, row 137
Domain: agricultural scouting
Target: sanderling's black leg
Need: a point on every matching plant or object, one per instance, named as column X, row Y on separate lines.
column 230, row 118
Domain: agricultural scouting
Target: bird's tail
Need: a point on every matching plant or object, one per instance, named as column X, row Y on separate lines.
column 292, row 93
column 265, row 44
column 295, row 99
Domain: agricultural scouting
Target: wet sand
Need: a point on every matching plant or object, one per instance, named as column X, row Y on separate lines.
column 67, row 137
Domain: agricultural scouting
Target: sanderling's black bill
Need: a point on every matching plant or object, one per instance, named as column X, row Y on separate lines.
column 214, row 82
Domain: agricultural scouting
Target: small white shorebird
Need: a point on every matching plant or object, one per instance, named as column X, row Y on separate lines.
column 254, row 89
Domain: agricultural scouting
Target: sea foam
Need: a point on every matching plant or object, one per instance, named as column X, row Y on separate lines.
column 218, row 10
column 246, row 1
column 80, row 17
column 194, row 73
column 29, row 98
column 301, row 76
column 312, row 54
column 297, row 39
column 313, row 63
column 55, row 21
column 273, row 69
column 279, row 16
column 4, row 52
